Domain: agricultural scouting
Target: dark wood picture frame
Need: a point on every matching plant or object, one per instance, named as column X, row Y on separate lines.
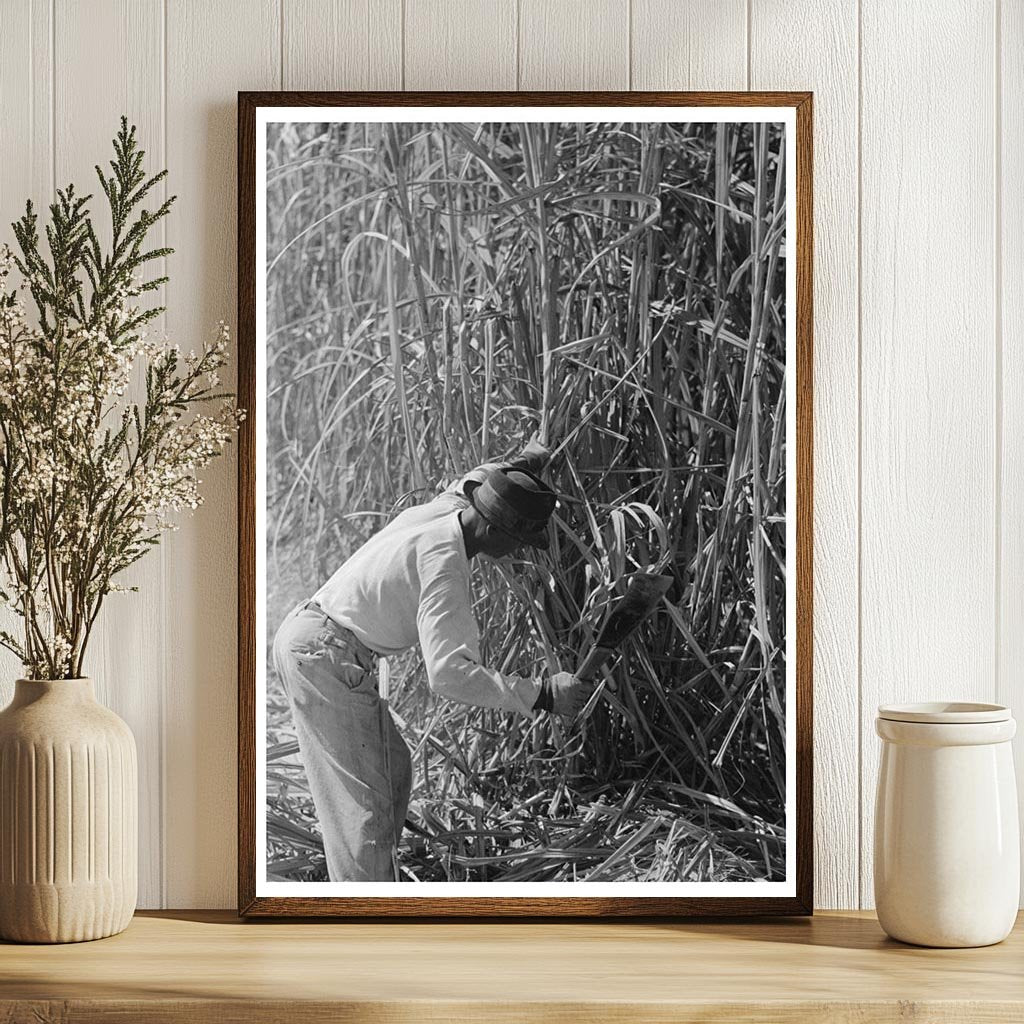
column 249, row 904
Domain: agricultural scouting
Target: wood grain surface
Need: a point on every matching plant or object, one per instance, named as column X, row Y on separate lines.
column 208, row 966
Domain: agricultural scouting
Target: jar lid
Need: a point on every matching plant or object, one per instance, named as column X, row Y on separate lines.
column 944, row 713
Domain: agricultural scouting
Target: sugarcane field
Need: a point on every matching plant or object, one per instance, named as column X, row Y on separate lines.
column 525, row 491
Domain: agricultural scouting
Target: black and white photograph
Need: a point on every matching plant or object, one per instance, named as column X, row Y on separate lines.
column 525, row 502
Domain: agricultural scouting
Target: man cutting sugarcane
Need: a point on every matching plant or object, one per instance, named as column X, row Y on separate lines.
column 408, row 584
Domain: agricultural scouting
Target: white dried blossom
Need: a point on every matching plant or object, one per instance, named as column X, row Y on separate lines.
column 96, row 466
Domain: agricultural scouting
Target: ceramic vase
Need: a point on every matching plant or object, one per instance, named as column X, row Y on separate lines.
column 947, row 847
column 68, row 815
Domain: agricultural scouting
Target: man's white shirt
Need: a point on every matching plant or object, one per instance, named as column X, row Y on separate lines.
column 410, row 583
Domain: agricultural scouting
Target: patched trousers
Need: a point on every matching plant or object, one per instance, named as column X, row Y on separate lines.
column 357, row 763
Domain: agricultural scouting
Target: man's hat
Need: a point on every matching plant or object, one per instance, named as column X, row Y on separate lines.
column 518, row 503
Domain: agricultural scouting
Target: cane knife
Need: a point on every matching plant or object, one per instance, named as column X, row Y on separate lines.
column 644, row 592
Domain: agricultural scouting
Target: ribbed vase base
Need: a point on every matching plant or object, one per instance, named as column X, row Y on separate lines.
column 68, row 815
column 63, row 913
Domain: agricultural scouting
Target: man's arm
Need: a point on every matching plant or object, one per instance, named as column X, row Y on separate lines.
column 451, row 645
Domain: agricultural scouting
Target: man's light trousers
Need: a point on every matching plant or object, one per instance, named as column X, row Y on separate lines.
column 358, row 765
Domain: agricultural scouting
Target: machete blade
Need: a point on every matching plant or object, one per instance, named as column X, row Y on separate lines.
column 642, row 595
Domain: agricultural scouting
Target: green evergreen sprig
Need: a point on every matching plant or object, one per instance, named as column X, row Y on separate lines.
column 91, row 472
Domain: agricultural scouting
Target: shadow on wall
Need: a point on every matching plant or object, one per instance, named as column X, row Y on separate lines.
column 201, row 562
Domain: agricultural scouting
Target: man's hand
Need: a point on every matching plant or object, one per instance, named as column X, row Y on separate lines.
column 569, row 694
column 533, row 457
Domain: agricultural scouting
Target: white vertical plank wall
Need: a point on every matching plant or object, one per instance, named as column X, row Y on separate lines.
column 127, row 664
column 919, row 317
column 467, row 45
column 928, row 510
column 213, row 50
column 700, row 45
column 1009, row 369
column 335, row 44
column 829, row 68
column 26, row 166
column 574, row 44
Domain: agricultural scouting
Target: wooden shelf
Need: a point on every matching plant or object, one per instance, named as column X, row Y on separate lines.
column 198, row 966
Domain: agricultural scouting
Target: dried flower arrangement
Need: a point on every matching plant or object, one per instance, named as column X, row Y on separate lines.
column 102, row 433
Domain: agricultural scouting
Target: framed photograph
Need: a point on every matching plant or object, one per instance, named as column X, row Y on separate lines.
column 525, row 504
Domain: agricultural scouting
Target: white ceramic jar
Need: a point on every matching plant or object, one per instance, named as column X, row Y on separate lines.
column 947, row 847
